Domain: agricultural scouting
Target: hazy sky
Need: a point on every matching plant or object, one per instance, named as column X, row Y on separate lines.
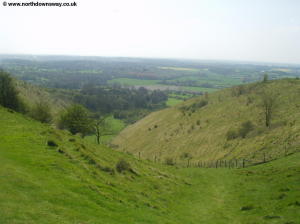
column 253, row 30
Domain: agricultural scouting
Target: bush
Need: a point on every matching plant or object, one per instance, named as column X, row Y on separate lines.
column 169, row 161
column 41, row 112
column 76, row 120
column 122, row 166
column 107, row 169
column 231, row 134
column 52, row 143
column 186, row 155
column 238, row 90
column 198, row 105
column 245, row 129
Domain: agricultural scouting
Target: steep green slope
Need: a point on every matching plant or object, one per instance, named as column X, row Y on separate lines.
column 75, row 182
column 33, row 95
column 201, row 130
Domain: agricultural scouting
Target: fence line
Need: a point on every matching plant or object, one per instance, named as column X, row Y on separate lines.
column 220, row 163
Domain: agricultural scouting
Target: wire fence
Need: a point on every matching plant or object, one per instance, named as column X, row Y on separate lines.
column 264, row 157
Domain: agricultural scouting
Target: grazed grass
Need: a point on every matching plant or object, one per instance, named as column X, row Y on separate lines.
column 201, row 132
column 173, row 101
column 72, row 181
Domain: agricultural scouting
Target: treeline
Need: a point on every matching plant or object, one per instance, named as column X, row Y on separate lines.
column 123, row 103
column 91, row 106
column 75, row 72
column 9, row 98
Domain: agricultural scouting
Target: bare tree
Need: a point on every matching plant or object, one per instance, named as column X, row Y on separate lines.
column 101, row 128
column 269, row 99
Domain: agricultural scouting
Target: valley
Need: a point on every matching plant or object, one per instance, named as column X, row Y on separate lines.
column 214, row 157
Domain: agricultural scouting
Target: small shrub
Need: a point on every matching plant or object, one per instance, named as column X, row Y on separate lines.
column 231, row 134
column 238, row 90
column 247, row 208
column 272, row 217
column 122, row 166
column 202, row 103
column 169, row 161
column 198, row 122
column 61, row 151
column 245, row 129
column 108, row 169
column 51, row 143
column 91, row 161
column 186, row 155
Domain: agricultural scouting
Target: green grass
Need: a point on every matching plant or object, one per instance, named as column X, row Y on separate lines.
column 198, row 89
column 266, row 193
column 114, row 126
column 64, row 184
column 173, row 101
column 182, row 96
column 41, row 185
column 133, row 82
column 202, row 132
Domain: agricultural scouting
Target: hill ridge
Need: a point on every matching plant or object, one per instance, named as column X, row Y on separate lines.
column 200, row 127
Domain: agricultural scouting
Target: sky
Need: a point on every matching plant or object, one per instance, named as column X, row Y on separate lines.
column 244, row 30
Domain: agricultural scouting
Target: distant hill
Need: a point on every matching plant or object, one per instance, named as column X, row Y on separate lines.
column 213, row 131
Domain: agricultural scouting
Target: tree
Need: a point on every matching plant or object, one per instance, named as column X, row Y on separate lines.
column 268, row 104
column 101, row 128
column 42, row 112
column 76, row 119
column 8, row 93
column 266, row 77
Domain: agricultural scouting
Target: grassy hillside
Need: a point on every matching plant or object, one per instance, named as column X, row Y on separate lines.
column 76, row 182
column 267, row 193
column 201, row 130
column 32, row 95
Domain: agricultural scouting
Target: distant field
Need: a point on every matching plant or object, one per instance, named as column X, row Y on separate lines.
column 282, row 70
column 133, row 82
column 180, row 69
column 182, row 96
column 173, row 101
column 198, row 89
